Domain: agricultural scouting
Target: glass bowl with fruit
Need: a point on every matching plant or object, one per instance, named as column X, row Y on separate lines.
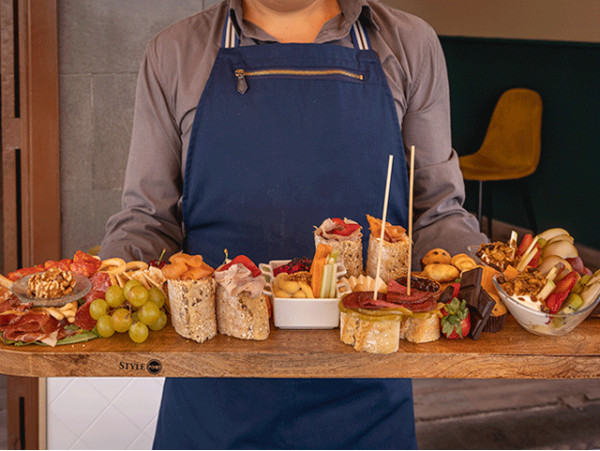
column 556, row 308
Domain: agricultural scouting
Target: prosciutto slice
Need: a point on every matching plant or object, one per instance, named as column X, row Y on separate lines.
column 32, row 326
column 237, row 279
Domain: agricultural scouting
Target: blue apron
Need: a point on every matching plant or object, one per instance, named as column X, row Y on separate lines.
column 284, row 136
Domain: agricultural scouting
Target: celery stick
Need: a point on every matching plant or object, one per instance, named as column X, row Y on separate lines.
column 326, row 281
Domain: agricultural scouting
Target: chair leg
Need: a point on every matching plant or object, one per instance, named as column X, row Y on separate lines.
column 489, row 207
column 526, row 196
column 479, row 203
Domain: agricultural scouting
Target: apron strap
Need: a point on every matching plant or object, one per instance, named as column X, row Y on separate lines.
column 360, row 36
column 230, row 38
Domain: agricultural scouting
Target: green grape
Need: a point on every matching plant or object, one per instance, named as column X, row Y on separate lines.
column 129, row 285
column 137, row 296
column 138, row 332
column 157, row 296
column 98, row 308
column 135, row 316
column 149, row 313
column 160, row 323
column 114, row 296
column 121, row 320
column 103, row 326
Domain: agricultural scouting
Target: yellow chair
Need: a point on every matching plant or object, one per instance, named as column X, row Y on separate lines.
column 510, row 149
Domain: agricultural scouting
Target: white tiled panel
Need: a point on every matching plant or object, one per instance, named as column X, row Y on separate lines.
column 102, row 413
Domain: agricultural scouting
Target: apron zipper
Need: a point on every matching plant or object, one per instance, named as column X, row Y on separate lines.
column 242, row 83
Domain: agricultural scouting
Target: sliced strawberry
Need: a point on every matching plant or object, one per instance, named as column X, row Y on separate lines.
column 536, row 258
column 555, row 300
column 242, row 259
column 456, row 322
column 525, row 242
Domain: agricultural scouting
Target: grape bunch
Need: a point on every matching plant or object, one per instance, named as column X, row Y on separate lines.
column 133, row 309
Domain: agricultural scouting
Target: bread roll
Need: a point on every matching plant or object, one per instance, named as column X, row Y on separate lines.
column 192, row 307
column 350, row 253
column 394, row 258
column 377, row 337
column 242, row 316
column 420, row 329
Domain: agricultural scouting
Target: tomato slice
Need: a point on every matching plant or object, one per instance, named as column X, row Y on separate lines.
column 345, row 229
column 242, row 259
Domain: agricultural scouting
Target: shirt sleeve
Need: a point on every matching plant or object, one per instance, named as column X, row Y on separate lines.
column 439, row 192
column 150, row 219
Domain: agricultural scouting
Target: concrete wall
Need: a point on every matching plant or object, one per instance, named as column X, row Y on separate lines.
column 101, row 43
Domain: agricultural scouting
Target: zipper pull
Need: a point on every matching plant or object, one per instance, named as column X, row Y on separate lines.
column 242, row 84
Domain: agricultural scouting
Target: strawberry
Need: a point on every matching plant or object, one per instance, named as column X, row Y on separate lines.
column 242, row 259
column 525, row 242
column 555, row 300
column 536, row 258
column 456, row 322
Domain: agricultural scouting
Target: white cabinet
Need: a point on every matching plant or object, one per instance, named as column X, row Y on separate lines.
column 102, row 413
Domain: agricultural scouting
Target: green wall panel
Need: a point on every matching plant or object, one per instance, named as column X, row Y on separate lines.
column 566, row 186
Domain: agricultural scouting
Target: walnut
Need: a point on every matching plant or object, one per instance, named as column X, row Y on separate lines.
column 52, row 283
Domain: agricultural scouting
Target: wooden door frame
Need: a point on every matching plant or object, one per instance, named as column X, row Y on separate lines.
column 30, row 173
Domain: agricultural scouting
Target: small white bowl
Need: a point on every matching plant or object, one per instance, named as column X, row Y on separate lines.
column 302, row 313
column 541, row 323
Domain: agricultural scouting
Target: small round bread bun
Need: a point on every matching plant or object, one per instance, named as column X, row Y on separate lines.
column 463, row 262
column 437, row 255
column 441, row 272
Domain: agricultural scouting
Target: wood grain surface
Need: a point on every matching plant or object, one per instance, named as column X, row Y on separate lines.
column 510, row 353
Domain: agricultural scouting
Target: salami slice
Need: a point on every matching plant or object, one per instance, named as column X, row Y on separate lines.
column 364, row 299
column 85, row 264
column 83, row 318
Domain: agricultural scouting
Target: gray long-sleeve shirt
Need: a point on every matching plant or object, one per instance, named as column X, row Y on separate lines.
column 175, row 69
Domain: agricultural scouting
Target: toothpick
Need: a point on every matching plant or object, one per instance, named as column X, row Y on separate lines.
column 383, row 219
column 411, row 183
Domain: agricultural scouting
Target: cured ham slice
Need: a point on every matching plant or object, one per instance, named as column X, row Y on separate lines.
column 100, row 283
column 32, row 326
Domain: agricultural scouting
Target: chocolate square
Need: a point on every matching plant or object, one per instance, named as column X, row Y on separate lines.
column 470, row 285
column 447, row 295
column 480, row 313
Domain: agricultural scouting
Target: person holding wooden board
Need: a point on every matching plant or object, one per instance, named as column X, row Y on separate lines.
column 255, row 120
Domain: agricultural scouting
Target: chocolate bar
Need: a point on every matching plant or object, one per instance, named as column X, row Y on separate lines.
column 470, row 285
column 480, row 313
column 480, row 303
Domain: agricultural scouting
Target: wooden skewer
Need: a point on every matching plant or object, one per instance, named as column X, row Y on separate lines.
column 411, row 183
column 383, row 219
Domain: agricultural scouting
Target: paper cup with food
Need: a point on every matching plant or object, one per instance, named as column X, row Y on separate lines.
column 191, row 299
column 394, row 250
column 344, row 236
column 243, row 310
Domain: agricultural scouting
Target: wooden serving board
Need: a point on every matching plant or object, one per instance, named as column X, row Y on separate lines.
column 510, row 353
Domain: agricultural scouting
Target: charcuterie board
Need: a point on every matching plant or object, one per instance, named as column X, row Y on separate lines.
column 510, row 353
